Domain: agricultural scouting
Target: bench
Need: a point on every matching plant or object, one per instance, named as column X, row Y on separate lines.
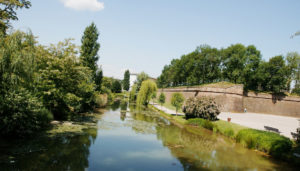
column 294, row 135
column 268, row 128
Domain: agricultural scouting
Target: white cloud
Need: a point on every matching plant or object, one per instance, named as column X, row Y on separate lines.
column 81, row 5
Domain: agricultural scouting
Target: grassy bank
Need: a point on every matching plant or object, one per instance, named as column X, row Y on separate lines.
column 271, row 143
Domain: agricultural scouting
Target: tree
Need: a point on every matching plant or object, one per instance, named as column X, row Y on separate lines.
column 21, row 110
column 98, row 79
column 140, row 78
column 9, row 12
column 116, row 87
column 89, row 48
column 148, row 87
column 162, row 99
column 65, row 86
column 177, row 101
column 132, row 94
column 153, row 96
column 126, row 80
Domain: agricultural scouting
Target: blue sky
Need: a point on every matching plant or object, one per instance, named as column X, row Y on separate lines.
column 145, row 35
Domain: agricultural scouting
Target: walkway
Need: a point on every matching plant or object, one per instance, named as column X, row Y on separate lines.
column 284, row 124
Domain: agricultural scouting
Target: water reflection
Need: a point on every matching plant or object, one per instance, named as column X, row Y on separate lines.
column 132, row 140
column 62, row 152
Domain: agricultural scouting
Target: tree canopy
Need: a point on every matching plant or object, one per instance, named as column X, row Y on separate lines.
column 89, row 48
column 9, row 12
column 236, row 63
column 148, row 87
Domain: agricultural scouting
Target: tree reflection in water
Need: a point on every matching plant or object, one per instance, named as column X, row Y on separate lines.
column 62, row 152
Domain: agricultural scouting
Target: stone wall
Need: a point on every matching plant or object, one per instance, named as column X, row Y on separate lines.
column 233, row 99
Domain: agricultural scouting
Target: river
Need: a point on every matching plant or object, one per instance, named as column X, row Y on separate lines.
column 133, row 140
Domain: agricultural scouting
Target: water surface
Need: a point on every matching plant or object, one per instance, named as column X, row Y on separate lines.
column 132, row 140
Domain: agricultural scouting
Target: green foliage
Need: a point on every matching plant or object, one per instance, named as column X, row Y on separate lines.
column 236, row 63
column 100, row 100
column 162, row 98
column 116, row 87
column 201, row 107
column 140, row 78
column 132, row 94
column 21, row 110
column 296, row 90
column 177, row 100
column 273, row 75
column 269, row 142
column 126, row 80
column 148, row 87
column 201, row 122
column 64, row 85
column 21, row 113
column 8, row 12
column 98, row 79
column 89, row 48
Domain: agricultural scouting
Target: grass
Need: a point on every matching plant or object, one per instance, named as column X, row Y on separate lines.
column 222, row 84
column 271, row 143
column 268, row 142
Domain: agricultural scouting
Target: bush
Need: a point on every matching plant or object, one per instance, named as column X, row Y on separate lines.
column 272, row 143
column 21, row 114
column 201, row 107
column 100, row 100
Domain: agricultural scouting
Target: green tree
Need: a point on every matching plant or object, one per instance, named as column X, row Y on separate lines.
column 98, row 79
column 144, row 95
column 116, row 87
column 64, row 84
column 89, row 48
column 140, row 78
column 21, row 110
column 293, row 64
column 126, row 80
column 133, row 92
column 153, row 96
column 177, row 100
column 273, row 75
column 8, row 12
column 162, row 99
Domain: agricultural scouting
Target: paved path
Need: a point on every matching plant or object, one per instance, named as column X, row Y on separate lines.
column 166, row 110
column 284, row 124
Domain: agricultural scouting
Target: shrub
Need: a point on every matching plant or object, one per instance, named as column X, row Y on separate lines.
column 201, row 107
column 21, row 114
column 272, row 143
column 100, row 100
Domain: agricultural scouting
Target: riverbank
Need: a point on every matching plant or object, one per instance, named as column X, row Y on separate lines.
column 267, row 142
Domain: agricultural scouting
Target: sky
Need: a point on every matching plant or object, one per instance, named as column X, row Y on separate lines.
column 145, row 35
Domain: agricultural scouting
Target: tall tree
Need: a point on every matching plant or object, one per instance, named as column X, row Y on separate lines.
column 8, row 12
column 126, row 80
column 89, row 48
column 98, row 79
